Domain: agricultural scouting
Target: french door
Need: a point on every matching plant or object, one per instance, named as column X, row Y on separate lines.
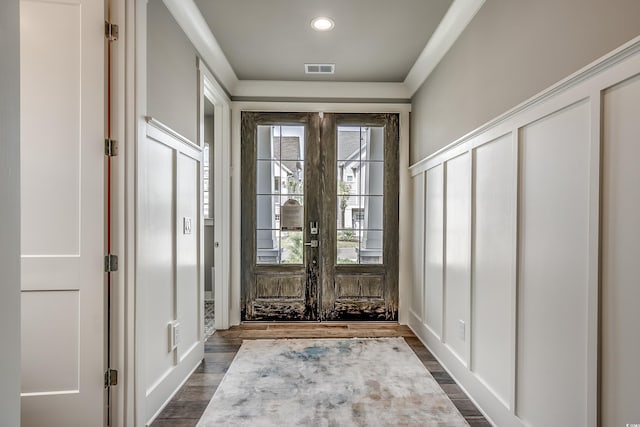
column 319, row 216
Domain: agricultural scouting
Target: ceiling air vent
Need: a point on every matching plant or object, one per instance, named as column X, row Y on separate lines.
column 319, row 68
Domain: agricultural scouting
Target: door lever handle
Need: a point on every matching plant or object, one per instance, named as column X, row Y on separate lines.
column 313, row 243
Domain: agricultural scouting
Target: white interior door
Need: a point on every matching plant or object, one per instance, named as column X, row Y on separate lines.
column 62, row 190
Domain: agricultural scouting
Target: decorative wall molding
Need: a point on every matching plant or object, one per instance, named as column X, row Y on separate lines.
column 561, row 126
column 157, row 124
column 169, row 167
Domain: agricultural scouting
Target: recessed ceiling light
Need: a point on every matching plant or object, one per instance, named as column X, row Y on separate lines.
column 322, row 23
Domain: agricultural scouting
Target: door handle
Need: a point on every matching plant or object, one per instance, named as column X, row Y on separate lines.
column 313, row 243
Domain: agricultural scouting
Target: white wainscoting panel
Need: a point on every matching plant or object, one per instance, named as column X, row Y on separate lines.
column 170, row 284
column 156, row 257
column 552, row 333
column 434, row 250
column 417, row 251
column 621, row 255
column 188, row 244
column 457, row 286
column 493, row 287
column 553, row 266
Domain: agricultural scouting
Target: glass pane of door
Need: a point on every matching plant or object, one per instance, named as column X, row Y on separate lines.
column 279, row 183
column 360, row 194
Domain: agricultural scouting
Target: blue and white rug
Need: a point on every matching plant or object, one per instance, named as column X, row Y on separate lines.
column 329, row 382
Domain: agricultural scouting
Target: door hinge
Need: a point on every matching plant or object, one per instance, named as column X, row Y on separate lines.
column 110, row 378
column 110, row 263
column 111, row 31
column 110, row 147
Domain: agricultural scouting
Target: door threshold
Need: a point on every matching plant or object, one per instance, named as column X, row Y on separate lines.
column 328, row 323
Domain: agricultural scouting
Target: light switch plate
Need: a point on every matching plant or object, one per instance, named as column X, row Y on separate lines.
column 186, row 225
column 461, row 329
column 174, row 335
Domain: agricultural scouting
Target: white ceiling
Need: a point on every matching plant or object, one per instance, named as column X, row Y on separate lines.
column 373, row 40
column 383, row 49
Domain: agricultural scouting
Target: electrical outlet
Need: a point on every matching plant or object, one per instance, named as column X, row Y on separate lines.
column 461, row 329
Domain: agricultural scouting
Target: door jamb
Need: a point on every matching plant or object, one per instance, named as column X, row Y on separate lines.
column 210, row 89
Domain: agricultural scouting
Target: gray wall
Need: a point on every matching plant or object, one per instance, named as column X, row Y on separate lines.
column 172, row 77
column 510, row 51
column 10, row 213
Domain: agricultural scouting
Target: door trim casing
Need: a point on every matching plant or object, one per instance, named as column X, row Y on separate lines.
column 403, row 109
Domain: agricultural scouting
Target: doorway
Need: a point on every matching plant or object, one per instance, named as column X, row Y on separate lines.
column 319, row 216
column 208, row 206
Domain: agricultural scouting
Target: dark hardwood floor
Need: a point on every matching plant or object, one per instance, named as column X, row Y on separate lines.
column 189, row 403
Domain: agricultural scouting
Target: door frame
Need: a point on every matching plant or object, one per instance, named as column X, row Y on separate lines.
column 404, row 233
column 10, row 213
column 211, row 90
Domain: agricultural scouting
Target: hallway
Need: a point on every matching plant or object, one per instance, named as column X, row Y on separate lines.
column 123, row 183
column 186, row 407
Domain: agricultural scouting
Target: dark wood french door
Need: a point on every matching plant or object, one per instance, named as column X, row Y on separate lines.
column 319, row 216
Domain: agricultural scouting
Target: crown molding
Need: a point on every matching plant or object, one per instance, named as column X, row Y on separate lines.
column 459, row 15
column 190, row 19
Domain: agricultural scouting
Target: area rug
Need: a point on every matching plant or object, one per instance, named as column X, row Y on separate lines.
column 329, row 382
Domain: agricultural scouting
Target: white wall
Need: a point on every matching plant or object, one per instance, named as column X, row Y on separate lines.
column 10, row 213
column 169, row 283
column 511, row 215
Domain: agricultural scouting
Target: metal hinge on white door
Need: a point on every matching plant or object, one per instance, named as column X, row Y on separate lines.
column 111, row 31
column 110, row 263
column 110, row 378
column 110, row 147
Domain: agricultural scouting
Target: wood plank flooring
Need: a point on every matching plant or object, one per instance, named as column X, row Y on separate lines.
column 186, row 408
